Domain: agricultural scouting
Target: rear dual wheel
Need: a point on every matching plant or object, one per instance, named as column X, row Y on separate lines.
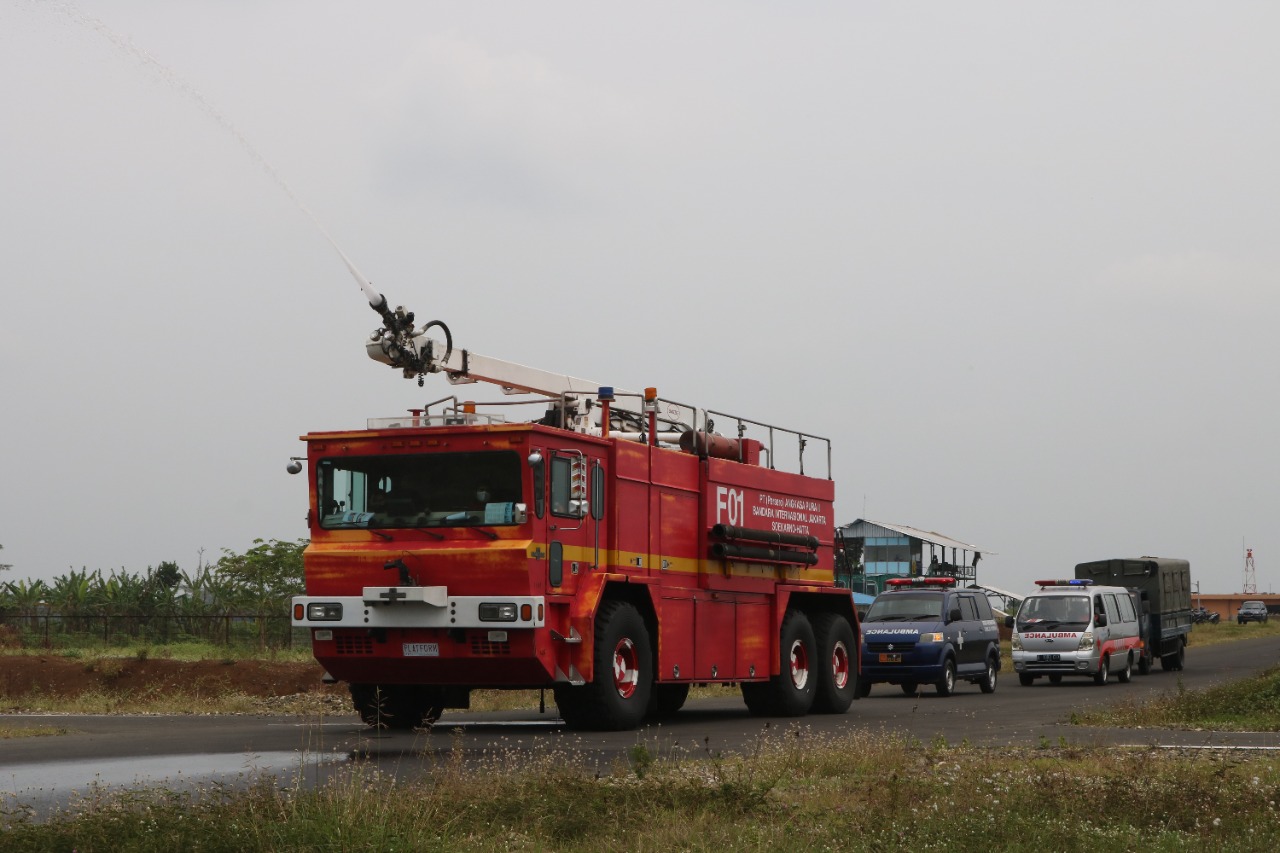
column 837, row 669
column 792, row 691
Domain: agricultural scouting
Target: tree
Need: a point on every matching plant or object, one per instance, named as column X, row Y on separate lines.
column 265, row 577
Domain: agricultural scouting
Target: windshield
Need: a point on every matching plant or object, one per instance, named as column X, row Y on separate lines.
column 1048, row 611
column 429, row 490
column 905, row 607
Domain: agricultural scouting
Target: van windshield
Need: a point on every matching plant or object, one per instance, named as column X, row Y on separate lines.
column 1070, row 612
column 905, row 607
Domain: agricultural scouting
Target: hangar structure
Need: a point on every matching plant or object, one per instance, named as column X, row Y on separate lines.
column 870, row 553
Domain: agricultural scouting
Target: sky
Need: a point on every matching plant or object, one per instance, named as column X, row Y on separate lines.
column 1016, row 261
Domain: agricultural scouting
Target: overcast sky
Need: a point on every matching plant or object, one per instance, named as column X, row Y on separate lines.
column 1018, row 261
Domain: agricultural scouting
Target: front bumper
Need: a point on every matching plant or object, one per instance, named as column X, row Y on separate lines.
column 417, row 607
column 1079, row 662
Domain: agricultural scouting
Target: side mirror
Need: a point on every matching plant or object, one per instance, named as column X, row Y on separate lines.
column 1100, row 620
column 954, row 615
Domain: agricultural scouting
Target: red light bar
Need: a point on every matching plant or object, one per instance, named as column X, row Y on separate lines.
column 921, row 582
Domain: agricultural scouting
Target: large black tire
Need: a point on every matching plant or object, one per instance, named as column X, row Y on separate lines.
column 1125, row 675
column 618, row 695
column 1104, row 670
column 837, row 667
column 791, row 692
column 1144, row 662
column 864, row 688
column 910, row 688
column 946, row 685
column 399, row 707
column 666, row 700
column 1173, row 662
column 987, row 684
column 1055, row 679
column 1026, row 679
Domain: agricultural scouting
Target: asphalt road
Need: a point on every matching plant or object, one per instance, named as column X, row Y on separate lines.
column 175, row 750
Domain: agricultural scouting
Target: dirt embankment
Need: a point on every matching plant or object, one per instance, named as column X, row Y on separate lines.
column 50, row 675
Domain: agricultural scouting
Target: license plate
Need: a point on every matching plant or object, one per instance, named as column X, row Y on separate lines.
column 1049, row 657
column 895, row 657
column 422, row 650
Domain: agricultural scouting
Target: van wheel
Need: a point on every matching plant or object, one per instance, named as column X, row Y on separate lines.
column 946, row 685
column 909, row 687
column 988, row 681
column 863, row 690
column 1027, row 680
column 1126, row 675
column 1104, row 669
column 1055, row 679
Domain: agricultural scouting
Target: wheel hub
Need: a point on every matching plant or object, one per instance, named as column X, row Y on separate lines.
column 799, row 665
column 626, row 669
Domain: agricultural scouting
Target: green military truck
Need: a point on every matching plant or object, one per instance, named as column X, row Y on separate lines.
column 1164, row 589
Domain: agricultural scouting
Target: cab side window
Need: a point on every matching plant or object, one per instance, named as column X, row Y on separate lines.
column 968, row 608
column 1113, row 609
column 984, row 607
column 1126, row 609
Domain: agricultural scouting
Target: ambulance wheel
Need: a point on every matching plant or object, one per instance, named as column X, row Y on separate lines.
column 617, row 697
column 399, row 707
column 1126, row 675
column 988, row 681
column 946, row 685
column 666, row 700
column 910, row 688
column 837, row 669
column 1026, row 679
column 1104, row 669
column 791, row 692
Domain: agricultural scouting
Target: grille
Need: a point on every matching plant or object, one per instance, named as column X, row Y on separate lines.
column 898, row 646
column 349, row 645
column 484, row 648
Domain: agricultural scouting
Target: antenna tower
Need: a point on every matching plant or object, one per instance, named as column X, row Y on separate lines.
column 1250, row 576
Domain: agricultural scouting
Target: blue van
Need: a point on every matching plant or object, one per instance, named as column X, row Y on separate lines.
column 925, row 631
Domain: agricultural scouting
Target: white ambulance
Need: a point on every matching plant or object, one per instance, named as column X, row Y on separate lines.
column 1071, row 627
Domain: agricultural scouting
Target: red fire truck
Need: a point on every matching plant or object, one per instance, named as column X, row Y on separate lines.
column 609, row 545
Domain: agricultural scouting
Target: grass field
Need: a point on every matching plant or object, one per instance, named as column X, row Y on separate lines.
column 793, row 792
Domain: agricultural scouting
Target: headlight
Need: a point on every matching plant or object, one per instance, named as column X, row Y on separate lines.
column 1086, row 640
column 1016, row 643
column 324, row 612
column 490, row 612
column 931, row 638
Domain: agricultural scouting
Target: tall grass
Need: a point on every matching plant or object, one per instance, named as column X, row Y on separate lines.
column 795, row 791
column 1251, row 705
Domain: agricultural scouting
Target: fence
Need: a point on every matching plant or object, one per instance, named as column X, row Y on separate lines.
column 51, row 629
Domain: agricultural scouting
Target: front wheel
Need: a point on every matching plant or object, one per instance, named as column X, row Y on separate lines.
column 791, row 692
column 1026, row 679
column 398, row 707
column 617, row 697
column 837, row 668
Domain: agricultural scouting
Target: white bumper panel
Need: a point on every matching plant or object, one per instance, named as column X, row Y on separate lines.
column 417, row 607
